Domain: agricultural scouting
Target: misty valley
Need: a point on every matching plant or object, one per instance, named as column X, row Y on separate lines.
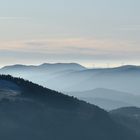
column 65, row 101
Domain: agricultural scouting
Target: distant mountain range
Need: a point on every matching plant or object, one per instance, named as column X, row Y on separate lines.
column 74, row 77
column 29, row 111
column 45, row 67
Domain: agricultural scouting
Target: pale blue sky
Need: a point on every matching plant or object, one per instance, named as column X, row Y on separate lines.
column 85, row 31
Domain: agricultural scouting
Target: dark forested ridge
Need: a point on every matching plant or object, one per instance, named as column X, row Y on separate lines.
column 32, row 112
column 128, row 117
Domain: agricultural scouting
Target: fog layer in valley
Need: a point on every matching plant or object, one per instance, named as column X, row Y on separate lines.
column 109, row 88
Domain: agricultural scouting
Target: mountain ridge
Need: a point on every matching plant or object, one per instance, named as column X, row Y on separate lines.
column 108, row 98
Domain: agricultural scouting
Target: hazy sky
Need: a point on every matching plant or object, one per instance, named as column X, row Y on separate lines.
column 90, row 32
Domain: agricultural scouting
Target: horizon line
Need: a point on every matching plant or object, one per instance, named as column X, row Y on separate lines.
column 94, row 66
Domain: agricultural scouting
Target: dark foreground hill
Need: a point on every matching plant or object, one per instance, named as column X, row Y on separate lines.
column 31, row 112
column 128, row 117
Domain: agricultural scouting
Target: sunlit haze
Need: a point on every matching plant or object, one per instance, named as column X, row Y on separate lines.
column 94, row 33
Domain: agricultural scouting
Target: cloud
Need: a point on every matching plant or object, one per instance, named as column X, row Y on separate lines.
column 12, row 18
column 85, row 45
column 130, row 28
column 69, row 49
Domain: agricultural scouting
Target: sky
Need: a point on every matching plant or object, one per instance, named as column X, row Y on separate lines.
column 89, row 32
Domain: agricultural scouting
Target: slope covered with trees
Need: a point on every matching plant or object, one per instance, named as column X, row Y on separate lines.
column 32, row 112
